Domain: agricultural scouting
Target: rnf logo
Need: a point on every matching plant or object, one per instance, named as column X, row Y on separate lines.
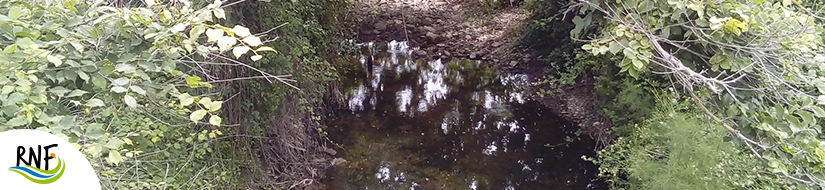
column 31, row 164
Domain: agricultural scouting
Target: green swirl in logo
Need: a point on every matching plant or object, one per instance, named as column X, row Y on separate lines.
column 40, row 176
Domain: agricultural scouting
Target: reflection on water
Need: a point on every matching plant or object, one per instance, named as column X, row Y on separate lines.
column 416, row 124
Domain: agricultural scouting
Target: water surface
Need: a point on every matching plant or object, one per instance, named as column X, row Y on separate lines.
column 416, row 124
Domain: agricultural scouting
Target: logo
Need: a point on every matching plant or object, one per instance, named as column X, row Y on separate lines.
column 37, row 160
column 35, row 173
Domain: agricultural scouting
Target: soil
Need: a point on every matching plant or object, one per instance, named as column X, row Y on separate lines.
column 448, row 29
column 445, row 29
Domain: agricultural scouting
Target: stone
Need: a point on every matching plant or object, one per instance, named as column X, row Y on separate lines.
column 473, row 56
column 366, row 32
column 432, row 37
column 376, row 32
column 496, row 44
column 428, row 29
column 468, row 37
column 513, row 63
column 427, row 21
column 380, row 25
column 328, row 150
column 441, row 45
column 421, row 53
column 337, row 161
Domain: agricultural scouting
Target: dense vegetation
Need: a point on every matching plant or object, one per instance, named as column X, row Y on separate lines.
column 135, row 85
column 717, row 94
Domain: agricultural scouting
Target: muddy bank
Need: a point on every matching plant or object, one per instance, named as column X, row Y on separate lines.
column 444, row 29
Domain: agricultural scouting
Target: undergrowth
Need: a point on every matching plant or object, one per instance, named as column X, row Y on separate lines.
column 677, row 147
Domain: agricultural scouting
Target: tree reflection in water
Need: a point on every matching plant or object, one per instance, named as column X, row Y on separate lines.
column 414, row 124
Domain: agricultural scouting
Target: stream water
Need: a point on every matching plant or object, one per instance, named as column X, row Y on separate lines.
column 415, row 124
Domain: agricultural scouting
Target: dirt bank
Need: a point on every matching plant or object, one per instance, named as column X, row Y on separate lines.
column 444, row 28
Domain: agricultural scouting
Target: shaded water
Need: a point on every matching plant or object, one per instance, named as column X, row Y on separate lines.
column 415, row 124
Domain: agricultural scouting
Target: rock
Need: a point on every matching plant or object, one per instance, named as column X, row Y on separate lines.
column 468, row 37
column 473, row 56
column 513, row 63
column 432, row 37
column 376, row 32
column 427, row 21
column 381, row 25
column 366, row 32
column 421, row 53
column 398, row 22
column 496, row 44
column 428, row 29
column 328, row 150
column 447, row 53
column 337, row 161
column 441, row 45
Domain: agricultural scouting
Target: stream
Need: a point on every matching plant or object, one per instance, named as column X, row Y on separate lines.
column 417, row 124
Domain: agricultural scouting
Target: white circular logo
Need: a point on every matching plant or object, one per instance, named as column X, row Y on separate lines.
column 39, row 160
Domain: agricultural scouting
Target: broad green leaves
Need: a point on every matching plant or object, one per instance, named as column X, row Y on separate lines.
column 760, row 61
column 197, row 115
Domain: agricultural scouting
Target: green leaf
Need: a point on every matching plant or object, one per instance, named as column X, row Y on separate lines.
column 59, row 90
column 95, row 131
column 807, row 118
column 215, row 120
column 99, row 81
column 646, row 6
column 638, row 64
column 130, row 101
column 114, row 143
column 114, row 155
column 193, row 81
column 256, row 57
column 18, row 121
column 197, row 115
column 252, row 41
column 206, row 102
column 215, row 106
column 118, row 89
column 213, row 34
column 196, row 31
column 121, row 81
column 633, row 72
column 94, row 102
column 615, row 47
column 226, row 42
column 95, row 149
column 239, row 50
column 186, row 99
column 240, row 31
column 76, row 93
column 137, row 89
column 587, row 47
column 818, row 111
column 265, row 48
column 54, row 59
column 219, row 13
column 629, row 53
column 15, row 13
column 126, row 68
